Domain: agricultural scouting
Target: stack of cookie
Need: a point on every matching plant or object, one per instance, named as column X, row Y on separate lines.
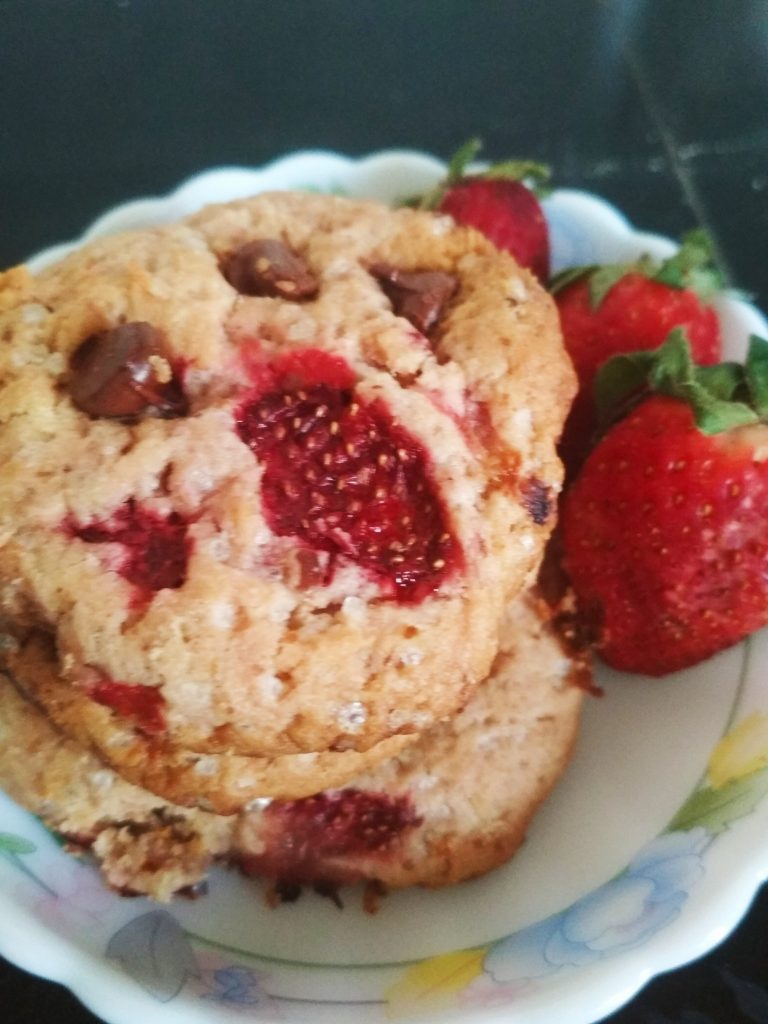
column 276, row 482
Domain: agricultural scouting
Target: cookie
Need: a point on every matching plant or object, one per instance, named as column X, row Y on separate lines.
column 425, row 817
column 263, row 467
column 223, row 783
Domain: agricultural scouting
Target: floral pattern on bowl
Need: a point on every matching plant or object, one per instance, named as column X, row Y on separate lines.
column 620, row 915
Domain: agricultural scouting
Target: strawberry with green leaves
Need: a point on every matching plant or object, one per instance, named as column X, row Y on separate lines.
column 665, row 529
column 607, row 310
column 502, row 202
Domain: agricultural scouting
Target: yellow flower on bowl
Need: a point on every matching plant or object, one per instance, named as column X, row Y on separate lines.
column 743, row 751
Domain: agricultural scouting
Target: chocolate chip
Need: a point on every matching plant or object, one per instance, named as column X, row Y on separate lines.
column 418, row 295
column 124, row 373
column 267, row 266
column 537, row 500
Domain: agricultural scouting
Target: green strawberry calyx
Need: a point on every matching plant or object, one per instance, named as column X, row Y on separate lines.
column 535, row 176
column 723, row 396
column 692, row 267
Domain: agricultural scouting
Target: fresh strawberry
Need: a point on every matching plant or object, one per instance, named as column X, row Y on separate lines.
column 500, row 202
column 628, row 307
column 343, row 477
column 665, row 534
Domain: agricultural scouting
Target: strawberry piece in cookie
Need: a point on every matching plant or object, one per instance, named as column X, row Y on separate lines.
column 345, row 478
column 143, row 704
column 303, row 838
column 156, row 547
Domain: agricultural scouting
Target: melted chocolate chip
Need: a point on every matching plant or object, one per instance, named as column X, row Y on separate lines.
column 418, row 295
column 124, row 373
column 537, row 500
column 268, row 266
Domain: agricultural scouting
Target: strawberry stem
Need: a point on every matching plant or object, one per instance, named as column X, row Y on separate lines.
column 460, row 160
column 692, row 267
column 532, row 174
column 756, row 373
column 721, row 397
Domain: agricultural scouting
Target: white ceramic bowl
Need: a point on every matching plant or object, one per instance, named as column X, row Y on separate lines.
column 646, row 856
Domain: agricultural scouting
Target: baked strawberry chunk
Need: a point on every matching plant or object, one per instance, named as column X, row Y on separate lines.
column 320, row 837
column 344, row 478
column 156, row 547
column 143, row 704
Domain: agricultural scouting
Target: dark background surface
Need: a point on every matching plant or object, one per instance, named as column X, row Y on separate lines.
column 661, row 106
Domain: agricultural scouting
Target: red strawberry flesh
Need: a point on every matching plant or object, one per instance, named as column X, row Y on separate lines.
column 342, row 476
column 156, row 547
column 304, row 840
column 142, row 704
column 507, row 213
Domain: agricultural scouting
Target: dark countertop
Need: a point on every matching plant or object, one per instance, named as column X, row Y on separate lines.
column 660, row 107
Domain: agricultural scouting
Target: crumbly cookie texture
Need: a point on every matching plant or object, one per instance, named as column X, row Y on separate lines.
column 142, row 844
column 420, row 818
column 223, row 783
column 252, row 502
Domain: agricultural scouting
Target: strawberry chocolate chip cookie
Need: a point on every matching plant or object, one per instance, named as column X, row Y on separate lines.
column 267, row 474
